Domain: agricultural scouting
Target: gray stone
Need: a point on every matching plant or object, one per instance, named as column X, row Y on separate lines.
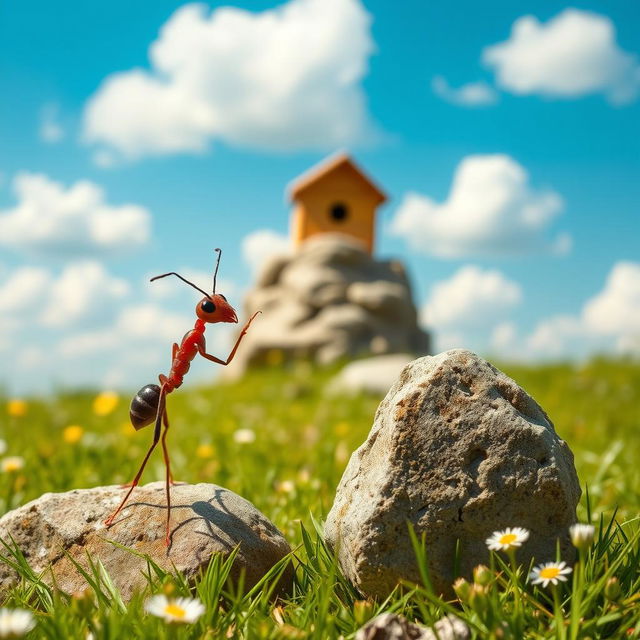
column 330, row 300
column 371, row 375
column 458, row 450
column 390, row 626
column 205, row 520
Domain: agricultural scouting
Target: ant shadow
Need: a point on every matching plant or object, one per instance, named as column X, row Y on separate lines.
column 215, row 515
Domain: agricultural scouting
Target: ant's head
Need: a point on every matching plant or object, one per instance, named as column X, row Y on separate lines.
column 213, row 307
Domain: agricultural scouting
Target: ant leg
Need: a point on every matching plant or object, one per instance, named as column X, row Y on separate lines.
column 169, row 477
column 208, row 356
column 165, row 450
column 156, row 437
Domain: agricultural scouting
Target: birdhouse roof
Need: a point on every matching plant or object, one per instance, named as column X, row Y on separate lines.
column 327, row 167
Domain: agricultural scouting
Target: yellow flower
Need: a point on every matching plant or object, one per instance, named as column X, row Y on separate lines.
column 205, row 451
column 342, row 429
column 105, row 402
column 17, row 408
column 12, row 464
column 72, row 434
column 127, row 429
column 274, row 357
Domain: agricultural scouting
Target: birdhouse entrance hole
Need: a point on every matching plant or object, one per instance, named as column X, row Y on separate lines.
column 339, row 212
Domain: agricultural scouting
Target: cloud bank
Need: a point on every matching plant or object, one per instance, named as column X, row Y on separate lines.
column 285, row 78
column 491, row 210
column 572, row 55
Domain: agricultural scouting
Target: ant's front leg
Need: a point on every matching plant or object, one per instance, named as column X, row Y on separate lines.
column 208, row 356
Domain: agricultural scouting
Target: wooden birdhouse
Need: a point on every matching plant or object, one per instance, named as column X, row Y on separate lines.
column 336, row 196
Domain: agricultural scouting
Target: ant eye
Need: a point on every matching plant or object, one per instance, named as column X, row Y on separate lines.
column 222, row 297
column 208, row 307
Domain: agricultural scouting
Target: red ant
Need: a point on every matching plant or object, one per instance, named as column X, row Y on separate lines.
column 149, row 403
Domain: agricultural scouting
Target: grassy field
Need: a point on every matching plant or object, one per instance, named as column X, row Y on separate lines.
column 278, row 440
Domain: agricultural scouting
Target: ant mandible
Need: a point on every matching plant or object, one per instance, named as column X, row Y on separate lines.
column 149, row 403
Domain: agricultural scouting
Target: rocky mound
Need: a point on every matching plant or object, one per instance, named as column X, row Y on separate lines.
column 330, row 300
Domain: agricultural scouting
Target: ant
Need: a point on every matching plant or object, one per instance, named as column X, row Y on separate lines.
column 149, row 404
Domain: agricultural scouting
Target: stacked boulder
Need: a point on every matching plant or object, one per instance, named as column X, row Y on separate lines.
column 330, row 300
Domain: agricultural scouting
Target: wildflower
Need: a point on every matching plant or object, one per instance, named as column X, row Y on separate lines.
column 205, row 451
column 105, row 402
column 508, row 539
column 17, row 408
column 174, row 609
column 342, row 429
column 551, row 572
column 244, row 436
column 482, row 575
column 286, row 486
column 12, row 464
column 582, row 535
column 72, row 434
column 612, row 589
column 15, row 623
column 462, row 589
column 274, row 357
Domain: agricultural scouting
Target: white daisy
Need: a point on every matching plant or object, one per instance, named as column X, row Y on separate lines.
column 174, row 609
column 244, row 436
column 550, row 572
column 11, row 464
column 508, row 539
column 15, row 623
column 582, row 535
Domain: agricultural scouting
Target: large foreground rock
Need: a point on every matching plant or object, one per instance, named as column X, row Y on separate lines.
column 458, row 450
column 206, row 519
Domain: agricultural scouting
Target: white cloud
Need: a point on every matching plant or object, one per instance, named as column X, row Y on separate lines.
column 83, row 291
column 51, row 130
column 135, row 326
column 491, row 210
column 50, row 219
column 23, row 291
column 615, row 311
column 259, row 246
column 609, row 322
column 470, row 298
column 555, row 336
column 573, row 54
column 472, row 94
column 503, row 336
column 285, row 78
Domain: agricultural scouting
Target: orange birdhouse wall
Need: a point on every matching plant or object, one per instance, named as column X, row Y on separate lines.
column 335, row 197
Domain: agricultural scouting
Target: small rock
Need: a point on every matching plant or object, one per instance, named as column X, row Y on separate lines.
column 370, row 375
column 458, row 450
column 205, row 519
column 390, row 626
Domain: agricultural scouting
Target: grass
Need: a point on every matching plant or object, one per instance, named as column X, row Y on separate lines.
column 279, row 441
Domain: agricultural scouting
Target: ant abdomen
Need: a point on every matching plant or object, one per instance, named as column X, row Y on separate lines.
column 144, row 406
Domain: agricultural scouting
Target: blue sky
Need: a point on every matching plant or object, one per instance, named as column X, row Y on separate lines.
column 191, row 148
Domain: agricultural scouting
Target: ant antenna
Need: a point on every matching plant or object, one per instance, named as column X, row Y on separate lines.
column 215, row 274
column 173, row 273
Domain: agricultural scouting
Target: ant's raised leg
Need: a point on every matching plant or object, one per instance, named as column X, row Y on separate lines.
column 208, row 356
column 156, row 437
